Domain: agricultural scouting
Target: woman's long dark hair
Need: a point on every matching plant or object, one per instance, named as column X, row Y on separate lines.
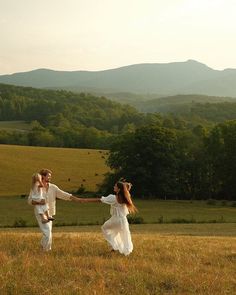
column 124, row 197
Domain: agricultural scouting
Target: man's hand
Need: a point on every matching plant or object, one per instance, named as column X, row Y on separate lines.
column 41, row 202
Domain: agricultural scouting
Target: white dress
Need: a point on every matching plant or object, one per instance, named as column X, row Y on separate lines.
column 116, row 229
column 37, row 195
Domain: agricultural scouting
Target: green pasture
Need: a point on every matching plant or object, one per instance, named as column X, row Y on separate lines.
column 14, row 211
column 71, row 167
column 14, row 126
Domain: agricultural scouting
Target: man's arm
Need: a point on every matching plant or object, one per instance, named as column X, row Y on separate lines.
column 34, row 202
column 69, row 197
column 60, row 194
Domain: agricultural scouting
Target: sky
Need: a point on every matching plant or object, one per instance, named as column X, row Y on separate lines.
column 97, row 35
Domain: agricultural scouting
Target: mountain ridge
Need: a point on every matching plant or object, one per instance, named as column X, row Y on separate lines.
column 188, row 77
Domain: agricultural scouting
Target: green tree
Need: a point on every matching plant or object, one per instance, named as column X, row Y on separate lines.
column 221, row 147
column 147, row 158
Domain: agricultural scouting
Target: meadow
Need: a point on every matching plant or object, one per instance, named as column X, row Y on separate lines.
column 181, row 247
column 81, row 263
column 71, row 167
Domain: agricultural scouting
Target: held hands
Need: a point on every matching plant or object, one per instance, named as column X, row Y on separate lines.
column 81, row 200
column 77, row 199
column 85, row 200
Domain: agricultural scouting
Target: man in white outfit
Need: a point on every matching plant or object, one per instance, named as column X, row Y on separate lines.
column 50, row 192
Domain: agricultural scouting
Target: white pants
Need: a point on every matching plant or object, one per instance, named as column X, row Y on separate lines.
column 46, row 229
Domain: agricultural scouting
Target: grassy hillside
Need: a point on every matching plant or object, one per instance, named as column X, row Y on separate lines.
column 14, row 126
column 71, row 167
column 81, row 263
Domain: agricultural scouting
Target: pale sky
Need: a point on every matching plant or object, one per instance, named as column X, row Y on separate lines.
column 103, row 34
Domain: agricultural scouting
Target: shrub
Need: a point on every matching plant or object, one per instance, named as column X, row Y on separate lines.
column 233, row 204
column 19, row 222
column 81, row 189
column 160, row 219
column 211, row 202
column 183, row 220
column 223, row 203
column 135, row 219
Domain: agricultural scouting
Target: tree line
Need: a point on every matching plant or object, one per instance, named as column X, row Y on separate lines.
column 171, row 164
column 190, row 155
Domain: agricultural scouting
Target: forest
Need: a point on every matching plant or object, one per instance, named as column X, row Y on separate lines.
column 182, row 155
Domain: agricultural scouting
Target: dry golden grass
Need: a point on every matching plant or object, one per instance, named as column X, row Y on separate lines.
column 81, row 263
column 71, row 167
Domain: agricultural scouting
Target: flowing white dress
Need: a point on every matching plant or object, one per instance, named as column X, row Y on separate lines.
column 116, row 229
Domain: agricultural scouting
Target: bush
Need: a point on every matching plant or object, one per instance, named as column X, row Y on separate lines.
column 211, row 202
column 223, row 203
column 81, row 189
column 19, row 222
column 183, row 220
column 160, row 219
column 135, row 220
column 233, row 204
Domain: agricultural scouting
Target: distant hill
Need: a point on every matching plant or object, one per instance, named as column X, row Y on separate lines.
column 190, row 77
column 178, row 103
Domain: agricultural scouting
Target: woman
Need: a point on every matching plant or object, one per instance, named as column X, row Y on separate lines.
column 116, row 229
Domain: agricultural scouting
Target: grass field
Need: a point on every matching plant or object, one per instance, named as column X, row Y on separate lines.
column 195, row 257
column 71, row 167
column 81, row 263
column 14, row 126
column 14, row 209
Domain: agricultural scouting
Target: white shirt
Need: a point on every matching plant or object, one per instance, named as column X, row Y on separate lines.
column 51, row 195
column 117, row 209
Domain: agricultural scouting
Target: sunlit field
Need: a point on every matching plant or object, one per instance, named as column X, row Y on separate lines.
column 180, row 247
column 81, row 263
column 71, row 167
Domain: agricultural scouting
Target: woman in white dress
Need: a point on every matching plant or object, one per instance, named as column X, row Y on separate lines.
column 116, row 229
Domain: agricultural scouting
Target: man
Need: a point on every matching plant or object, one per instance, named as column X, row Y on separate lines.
column 50, row 192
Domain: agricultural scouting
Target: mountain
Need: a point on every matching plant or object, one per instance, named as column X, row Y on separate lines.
column 189, row 77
